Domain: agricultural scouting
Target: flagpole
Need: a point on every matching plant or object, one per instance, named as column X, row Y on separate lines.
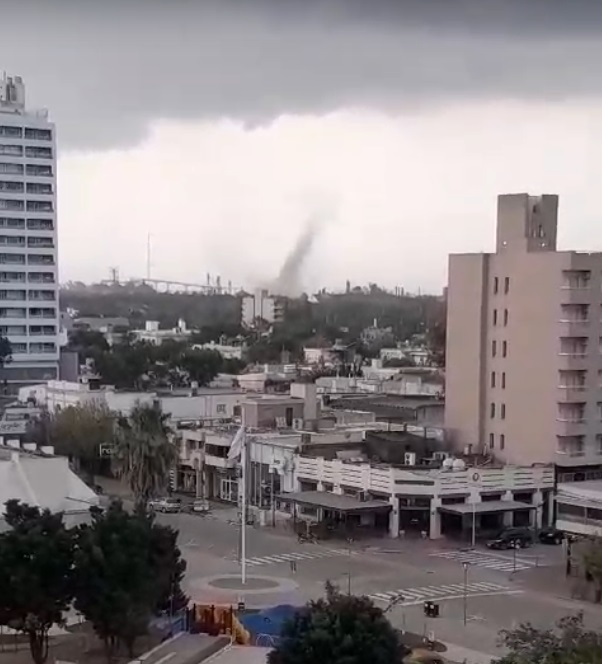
column 243, row 532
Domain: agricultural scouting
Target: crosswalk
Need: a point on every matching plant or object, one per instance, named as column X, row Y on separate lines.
column 297, row 556
column 499, row 562
column 413, row 596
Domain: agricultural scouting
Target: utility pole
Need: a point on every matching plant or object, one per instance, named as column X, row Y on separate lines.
column 465, row 598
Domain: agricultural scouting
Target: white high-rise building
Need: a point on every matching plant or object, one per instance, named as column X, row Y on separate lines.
column 29, row 308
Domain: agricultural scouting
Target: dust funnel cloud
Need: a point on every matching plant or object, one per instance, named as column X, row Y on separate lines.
column 289, row 280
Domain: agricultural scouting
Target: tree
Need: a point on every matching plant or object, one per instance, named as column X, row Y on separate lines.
column 118, row 579
column 166, row 559
column 567, row 643
column 36, row 573
column 6, row 351
column 201, row 366
column 78, row 432
column 592, row 562
column 340, row 629
column 143, row 453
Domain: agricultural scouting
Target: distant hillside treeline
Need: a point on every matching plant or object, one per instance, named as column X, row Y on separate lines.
column 342, row 315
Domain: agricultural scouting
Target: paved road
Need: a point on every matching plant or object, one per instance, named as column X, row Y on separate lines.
column 498, row 596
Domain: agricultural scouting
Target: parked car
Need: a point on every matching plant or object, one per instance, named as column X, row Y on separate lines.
column 512, row 538
column 200, row 506
column 165, row 505
column 551, row 536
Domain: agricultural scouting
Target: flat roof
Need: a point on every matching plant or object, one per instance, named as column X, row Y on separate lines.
column 334, row 501
column 486, row 507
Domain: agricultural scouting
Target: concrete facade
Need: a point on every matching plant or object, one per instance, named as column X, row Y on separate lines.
column 523, row 343
column 29, row 308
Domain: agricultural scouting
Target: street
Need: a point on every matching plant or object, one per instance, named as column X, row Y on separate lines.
column 500, row 590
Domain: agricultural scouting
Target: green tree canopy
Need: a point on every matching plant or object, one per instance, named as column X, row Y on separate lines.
column 340, row 629
column 568, row 642
column 36, row 574
column 144, row 454
column 126, row 568
column 77, row 432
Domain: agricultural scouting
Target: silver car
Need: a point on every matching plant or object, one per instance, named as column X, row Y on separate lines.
column 166, row 505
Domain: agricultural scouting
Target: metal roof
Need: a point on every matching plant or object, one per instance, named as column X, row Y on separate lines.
column 334, row 501
column 486, row 507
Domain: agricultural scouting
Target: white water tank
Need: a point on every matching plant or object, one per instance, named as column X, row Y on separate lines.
column 30, row 447
column 448, row 463
column 458, row 464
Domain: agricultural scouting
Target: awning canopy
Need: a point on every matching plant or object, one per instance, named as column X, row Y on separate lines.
column 486, row 507
column 334, row 501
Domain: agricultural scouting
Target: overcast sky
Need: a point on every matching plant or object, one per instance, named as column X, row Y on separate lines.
column 221, row 127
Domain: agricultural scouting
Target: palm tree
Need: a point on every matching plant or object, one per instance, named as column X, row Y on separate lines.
column 144, row 454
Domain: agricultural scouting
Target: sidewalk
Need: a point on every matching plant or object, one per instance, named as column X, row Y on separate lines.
column 460, row 655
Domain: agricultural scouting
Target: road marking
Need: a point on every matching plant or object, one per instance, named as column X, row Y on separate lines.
column 414, row 596
column 276, row 558
column 486, row 560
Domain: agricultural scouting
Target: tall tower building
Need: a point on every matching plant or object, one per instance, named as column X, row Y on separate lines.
column 524, row 343
column 29, row 309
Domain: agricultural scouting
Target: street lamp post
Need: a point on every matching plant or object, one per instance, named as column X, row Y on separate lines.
column 465, row 597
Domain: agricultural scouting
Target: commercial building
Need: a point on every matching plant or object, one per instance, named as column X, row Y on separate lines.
column 261, row 306
column 524, row 340
column 29, row 312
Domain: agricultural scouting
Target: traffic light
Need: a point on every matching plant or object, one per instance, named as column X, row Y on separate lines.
column 431, row 610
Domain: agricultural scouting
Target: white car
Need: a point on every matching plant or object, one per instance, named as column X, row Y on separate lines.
column 166, row 505
column 200, row 506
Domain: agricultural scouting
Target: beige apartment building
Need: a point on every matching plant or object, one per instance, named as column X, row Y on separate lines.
column 524, row 343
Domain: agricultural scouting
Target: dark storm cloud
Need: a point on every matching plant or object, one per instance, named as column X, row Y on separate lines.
column 107, row 68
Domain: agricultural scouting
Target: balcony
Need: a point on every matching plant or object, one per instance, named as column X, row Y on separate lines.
column 219, row 462
column 570, row 427
column 570, row 446
column 571, row 393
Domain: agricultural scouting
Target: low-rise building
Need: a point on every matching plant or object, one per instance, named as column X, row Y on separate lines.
column 37, row 477
column 579, row 507
column 436, row 501
column 227, row 351
column 153, row 335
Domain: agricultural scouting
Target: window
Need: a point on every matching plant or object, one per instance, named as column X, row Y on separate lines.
column 42, row 312
column 40, row 224
column 41, row 278
column 8, row 312
column 12, row 294
column 493, row 348
column 39, row 188
column 18, row 347
column 503, row 380
column 12, row 187
column 39, row 206
column 495, row 316
column 42, row 330
column 492, row 410
column 44, row 242
column 38, row 134
column 38, row 153
column 10, row 222
column 12, row 277
column 13, row 330
column 42, row 295
column 506, row 285
column 11, row 132
column 220, row 408
column 599, row 444
column 505, row 317
column 11, row 169
column 38, row 170
column 495, row 285
column 39, row 259
column 491, row 441
column 12, row 259
column 12, row 240
column 13, row 150
column 502, row 441
column 493, row 379
column 42, row 347
column 503, row 413
column 6, row 204
column 504, row 348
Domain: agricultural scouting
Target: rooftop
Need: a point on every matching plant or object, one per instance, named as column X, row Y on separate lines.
column 335, row 501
